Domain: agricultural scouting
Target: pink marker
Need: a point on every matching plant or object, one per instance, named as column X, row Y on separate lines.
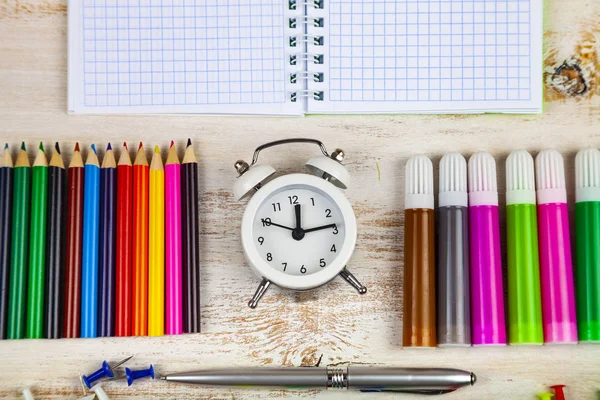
column 556, row 268
column 488, row 326
column 173, row 309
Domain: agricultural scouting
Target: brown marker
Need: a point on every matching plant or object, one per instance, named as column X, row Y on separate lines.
column 419, row 255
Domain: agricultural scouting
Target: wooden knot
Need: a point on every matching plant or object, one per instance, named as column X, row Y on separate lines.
column 569, row 79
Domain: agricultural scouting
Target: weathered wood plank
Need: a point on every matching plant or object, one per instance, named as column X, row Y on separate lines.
column 333, row 322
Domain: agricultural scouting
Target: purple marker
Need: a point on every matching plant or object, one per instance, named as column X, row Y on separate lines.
column 556, row 266
column 488, row 325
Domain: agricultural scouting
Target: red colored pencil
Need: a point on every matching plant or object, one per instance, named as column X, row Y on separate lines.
column 141, row 184
column 72, row 295
column 124, row 251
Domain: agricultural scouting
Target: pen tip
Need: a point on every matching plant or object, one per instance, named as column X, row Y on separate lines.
column 172, row 143
column 189, row 142
column 141, row 145
column 23, row 146
column 93, row 146
column 57, row 147
column 109, row 147
column 163, row 378
column 473, row 379
column 156, row 149
column 77, row 146
column 41, row 146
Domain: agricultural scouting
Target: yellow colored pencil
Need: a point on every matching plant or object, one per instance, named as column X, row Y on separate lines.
column 156, row 257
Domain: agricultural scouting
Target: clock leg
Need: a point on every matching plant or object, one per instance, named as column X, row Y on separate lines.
column 260, row 291
column 351, row 279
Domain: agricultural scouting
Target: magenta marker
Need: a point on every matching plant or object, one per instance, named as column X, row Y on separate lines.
column 488, row 325
column 556, row 268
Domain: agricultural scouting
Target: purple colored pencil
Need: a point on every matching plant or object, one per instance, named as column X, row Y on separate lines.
column 107, row 243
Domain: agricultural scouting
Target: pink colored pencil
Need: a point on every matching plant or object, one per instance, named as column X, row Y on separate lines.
column 174, row 313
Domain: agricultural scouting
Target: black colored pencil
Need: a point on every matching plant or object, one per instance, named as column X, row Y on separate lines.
column 55, row 246
column 6, row 176
column 190, row 250
column 107, row 243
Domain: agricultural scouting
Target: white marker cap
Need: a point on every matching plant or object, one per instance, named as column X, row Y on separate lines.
column 453, row 181
column 587, row 175
column 550, row 177
column 520, row 178
column 483, row 184
column 418, row 178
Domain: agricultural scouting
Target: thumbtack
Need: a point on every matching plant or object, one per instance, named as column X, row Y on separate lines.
column 545, row 396
column 100, row 393
column 106, row 371
column 559, row 392
column 135, row 375
column 27, row 394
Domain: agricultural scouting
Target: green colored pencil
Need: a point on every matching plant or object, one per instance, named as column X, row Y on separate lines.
column 17, row 293
column 37, row 246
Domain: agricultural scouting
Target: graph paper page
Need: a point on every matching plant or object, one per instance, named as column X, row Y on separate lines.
column 179, row 56
column 432, row 56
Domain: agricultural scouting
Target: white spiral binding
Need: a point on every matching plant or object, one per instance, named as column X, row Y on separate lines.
column 314, row 58
column 295, row 4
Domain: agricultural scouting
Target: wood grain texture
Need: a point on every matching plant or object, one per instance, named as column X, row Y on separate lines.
column 333, row 321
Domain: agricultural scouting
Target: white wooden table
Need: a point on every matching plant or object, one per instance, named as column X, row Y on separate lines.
column 334, row 321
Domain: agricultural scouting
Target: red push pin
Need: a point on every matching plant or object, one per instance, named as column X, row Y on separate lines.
column 558, row 391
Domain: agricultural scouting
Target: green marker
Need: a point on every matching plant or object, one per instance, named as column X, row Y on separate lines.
column 17, row 293
column 587, row 242
column 524, row 297
column 37, row 246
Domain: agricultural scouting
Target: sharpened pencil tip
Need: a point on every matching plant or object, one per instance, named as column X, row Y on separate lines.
column 172, row 143
column 41, row 146
column 57, row 147
column 6, row 146
column 77, row 146
column 109, row 147
column 156, row 149
column 93, row 146
column 141, row 145
column 189, row 142
column 23, row 146
column 125, row 145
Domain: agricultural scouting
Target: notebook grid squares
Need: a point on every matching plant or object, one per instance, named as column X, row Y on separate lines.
column 429, row 50
column 183, row 52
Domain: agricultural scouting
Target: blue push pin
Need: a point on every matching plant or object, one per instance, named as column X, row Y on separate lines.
column 135, row 375
column 105, row 371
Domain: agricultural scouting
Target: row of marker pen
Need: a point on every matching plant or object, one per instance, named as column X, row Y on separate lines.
column 453, row 292
column 92, row 250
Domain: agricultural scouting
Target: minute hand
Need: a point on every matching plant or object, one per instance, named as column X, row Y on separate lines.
column 320, row 228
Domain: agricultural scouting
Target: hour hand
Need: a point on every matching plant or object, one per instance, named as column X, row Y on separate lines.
column 298, row 213
column 318, row 228
column 269, row 223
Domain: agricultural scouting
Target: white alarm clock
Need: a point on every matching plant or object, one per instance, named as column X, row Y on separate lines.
column 298, row 230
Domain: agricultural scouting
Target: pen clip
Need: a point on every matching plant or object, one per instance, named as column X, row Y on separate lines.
column 431, row 392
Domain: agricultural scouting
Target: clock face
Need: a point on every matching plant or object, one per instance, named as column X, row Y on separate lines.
column 298, row 230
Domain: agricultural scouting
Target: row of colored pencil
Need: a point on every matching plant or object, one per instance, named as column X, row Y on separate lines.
column 108, row 250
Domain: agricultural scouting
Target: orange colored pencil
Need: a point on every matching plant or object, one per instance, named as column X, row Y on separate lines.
column 141, row 173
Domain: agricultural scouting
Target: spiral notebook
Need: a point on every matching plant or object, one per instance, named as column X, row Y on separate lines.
column 292, row 57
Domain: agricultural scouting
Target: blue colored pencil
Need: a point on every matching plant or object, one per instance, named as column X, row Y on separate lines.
column 106, row 256
column 91, row 216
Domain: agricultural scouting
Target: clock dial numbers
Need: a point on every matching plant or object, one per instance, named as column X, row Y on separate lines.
column 299, row 231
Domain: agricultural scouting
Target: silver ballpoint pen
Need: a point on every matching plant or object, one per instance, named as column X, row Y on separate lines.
column 366, row 379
